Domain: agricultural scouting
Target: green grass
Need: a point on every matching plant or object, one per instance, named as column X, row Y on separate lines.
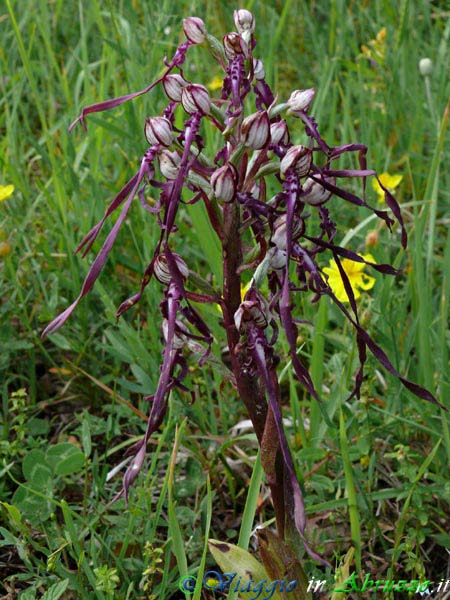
column 377, row 481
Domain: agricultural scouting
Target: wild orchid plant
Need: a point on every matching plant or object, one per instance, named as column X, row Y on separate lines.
column 276, row 238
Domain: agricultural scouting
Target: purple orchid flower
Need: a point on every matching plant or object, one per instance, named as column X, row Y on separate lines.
column 232, row 184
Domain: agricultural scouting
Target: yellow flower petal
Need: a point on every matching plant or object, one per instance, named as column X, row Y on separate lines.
column 365, row 282
column 358, row 280
column 381, row 35
column 389, row 181
column 215, row 83
column 244, row 290
column 6, row 191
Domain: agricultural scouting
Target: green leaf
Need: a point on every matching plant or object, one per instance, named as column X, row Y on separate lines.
column 33, row 507
column 14, row 515
column 65, row 458
column 38, row 427
column 281, row 563
column 35, row 469
column 443, row 539
column 70, row 464
column 28, row 595
column 20, row 546
column 142, row 376
column 56, row 591
column 61, row 341
column 8, row 538
column 232, row 559
column 342, row 574
column 86, row 437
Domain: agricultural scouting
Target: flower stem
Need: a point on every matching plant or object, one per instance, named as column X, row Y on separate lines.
column 250, row 390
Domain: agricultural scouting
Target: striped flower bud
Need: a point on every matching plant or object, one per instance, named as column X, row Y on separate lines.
column 162, row 272
column 224, row 182
column 258, row 69
column 297, row 158
column 254, row 308
column 233, row 45
column 169, row 163
column 194, row 29
column 279, row 237
column 173, row 85
column 255, row 130
column 300, row 100
column 315, row 194
column 158, row 130
column 179, row 339
column 244, row 21
column 279, row 132
column 195, row 97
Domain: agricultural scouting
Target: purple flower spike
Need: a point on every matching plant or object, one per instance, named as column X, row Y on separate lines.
column 271, row 206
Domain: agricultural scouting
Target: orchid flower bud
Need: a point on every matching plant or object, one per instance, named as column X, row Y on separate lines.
column 279, row 237
column 297, row 158
column 162, row 272
column 255, row 130
column 179, row 339
column 195, row 97
column 169, row 163
column 245, row 23
column 277, row 258
column 224, row 182
column 194, row 29
column 258, row 69
column 253, row 308
column 300, row 100
column 314, row 193
column 279, row 132
column 158, row 130
column 233, row 45
column 173, row 85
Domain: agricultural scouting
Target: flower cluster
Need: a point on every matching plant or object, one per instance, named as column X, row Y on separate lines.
column 274, row 238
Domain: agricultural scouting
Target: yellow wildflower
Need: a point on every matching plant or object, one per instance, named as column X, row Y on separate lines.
column 364, row 461
column 358, row 279
column 212, row 582
column 6, row 191
column 215, row 83
column 376, row 49
column 389, row 181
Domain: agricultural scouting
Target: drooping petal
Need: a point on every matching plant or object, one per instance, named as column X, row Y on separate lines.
column 100, row 259
column 258, row 343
